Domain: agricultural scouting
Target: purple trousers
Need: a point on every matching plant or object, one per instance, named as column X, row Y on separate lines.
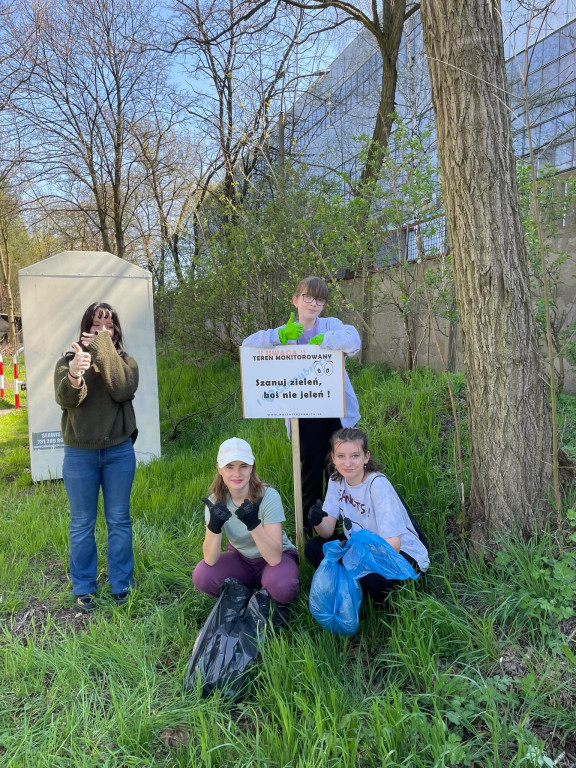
column 281, row 581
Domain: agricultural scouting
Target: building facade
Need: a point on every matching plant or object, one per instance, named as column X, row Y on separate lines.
column 325, row 126
column 542, row 88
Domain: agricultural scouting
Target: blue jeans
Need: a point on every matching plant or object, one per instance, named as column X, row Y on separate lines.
column 84, row 471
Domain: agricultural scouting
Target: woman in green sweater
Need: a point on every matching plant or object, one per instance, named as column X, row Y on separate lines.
column 95, row 386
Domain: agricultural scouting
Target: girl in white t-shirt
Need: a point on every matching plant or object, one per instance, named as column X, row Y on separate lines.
column 365, row 499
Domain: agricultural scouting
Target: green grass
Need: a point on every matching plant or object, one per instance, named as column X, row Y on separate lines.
column 8, row 358
column 14, row 454
column 475, row 667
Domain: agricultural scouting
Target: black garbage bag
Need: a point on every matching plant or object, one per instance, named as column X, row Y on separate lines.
column 229, row 641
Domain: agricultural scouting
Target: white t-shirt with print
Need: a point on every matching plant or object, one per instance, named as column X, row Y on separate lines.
column 375, row 506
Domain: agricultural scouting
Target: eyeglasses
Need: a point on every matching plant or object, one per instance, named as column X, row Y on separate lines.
column 308, row 299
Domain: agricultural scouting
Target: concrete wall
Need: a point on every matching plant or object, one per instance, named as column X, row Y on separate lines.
column 565, row 241
column 388, row 343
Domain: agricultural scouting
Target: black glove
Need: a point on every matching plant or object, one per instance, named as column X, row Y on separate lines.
column 247, row 512
column 316, row 514
column 219, row 513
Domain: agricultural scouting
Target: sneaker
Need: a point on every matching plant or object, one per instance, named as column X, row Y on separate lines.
column 121, row 598
column 85, row 602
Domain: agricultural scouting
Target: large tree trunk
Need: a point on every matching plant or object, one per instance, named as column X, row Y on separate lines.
column 510, row 424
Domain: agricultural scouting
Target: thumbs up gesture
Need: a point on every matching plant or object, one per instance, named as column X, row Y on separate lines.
column 247, row 512
column 316, row 514
column 219, row 513
column 291, row 331
column 80, row 362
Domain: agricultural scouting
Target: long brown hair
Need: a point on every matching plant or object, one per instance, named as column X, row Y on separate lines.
column 219, row 489
column 351, row 435
column 100, row 309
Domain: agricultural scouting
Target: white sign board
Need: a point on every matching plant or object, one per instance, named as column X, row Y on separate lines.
column 293, row 381
column 54, row 295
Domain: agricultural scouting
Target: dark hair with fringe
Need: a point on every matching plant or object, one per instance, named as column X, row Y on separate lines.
column 314, row 286
column 351, row 435
column 219, row 489
column 100, row 309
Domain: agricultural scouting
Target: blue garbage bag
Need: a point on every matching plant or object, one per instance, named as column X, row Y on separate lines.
column 366, row 552
column 335, row 595
column 335, row 592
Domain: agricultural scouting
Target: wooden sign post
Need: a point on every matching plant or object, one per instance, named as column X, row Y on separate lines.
column 297, row 480
column 292, row 382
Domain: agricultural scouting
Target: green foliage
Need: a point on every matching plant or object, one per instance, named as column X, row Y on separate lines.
column 252, row 257
column 544, row 584
column 16, row 248
column 252, row 254
column 409, row 184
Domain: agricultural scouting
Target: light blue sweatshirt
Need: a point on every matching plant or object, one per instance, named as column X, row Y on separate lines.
column 336, row 336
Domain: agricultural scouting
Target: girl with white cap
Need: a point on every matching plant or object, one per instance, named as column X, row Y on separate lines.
column 258, row 552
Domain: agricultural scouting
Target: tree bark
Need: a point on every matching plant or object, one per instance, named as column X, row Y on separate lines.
column 510, row 420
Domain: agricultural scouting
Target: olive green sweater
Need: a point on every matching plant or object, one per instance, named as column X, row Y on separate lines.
column 99, row 413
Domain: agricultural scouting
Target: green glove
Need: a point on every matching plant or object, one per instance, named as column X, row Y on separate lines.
column 291, row 331
column 318, row 339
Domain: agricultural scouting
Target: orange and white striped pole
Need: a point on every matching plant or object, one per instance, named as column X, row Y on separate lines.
column 16, row 381
column 1, row 376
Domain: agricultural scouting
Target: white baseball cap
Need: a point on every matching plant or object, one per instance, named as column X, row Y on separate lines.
column 235, row 449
